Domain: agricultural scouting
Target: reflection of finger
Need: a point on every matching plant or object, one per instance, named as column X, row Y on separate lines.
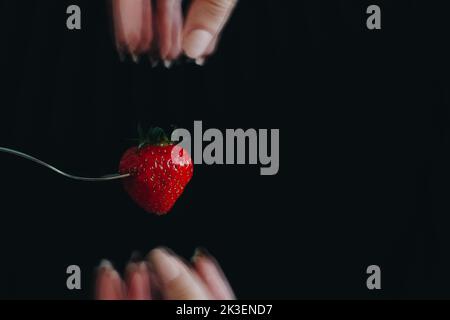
column 205, row 20
column 212, row 275
column 176, row 280
column 132, row 25
column 138, row 281
column 108, row 285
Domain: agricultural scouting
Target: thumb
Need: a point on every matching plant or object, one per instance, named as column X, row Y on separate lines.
column 206, row 19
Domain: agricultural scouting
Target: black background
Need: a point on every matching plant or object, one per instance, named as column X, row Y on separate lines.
column 364, row 164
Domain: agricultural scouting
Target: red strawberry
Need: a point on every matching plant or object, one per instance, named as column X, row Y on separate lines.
column 160, row 170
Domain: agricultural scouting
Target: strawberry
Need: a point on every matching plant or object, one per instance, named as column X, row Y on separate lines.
column 160, row 170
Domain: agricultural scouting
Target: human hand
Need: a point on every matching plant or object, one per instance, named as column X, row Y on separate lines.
column 158, row 28
column 164, row 275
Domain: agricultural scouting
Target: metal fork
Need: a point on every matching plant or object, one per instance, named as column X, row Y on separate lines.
column 109, row 177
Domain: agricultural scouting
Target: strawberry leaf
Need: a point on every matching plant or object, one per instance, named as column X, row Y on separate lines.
column 154, row 136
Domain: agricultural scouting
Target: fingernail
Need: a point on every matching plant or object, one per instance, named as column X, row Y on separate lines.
column 136, row 256
column 108, row 268
column 167, row 64
column 135, row 58
column 137, row 282
column 167, row 250
column 136, row 267
column 105, row 264
column 196, row 43
column 200, row 61
column 131, row 267
column 164, row 265
column 143, row 267
column 108, row 282
column 199, row 253
column 154, row 62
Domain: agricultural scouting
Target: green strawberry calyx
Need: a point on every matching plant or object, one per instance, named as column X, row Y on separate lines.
column 155, row 136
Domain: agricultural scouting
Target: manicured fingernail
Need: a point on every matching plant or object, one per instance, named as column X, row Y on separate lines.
column 200, row 61
column 167, row 250
column 153, row 62
column 167, row 64
column 105, row 264
column 137, row 281
column 143, row 267
column 108, row 269
column 131, row 268
column 108, row 282
column 164, row 265
column 199, row 253
column 135, row 58
column 137, row 267
column 196, row 43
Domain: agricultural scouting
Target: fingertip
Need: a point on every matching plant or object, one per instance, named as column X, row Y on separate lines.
column 108, row 285
column 176, row 280
column 164, row 265
column 206, row 20
column 147, row 28
column 138, row 281
column 105, row 265
column 164, row 15
column 196, row 43
column 209, row 270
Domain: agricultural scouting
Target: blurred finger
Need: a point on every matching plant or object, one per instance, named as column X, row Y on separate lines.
column 177, row 31
column 206, row 19
column 108, row 285
column 176, row 280
column 147, row 27
column 164, row 21
column 212, row 47
column 212, row 275
column 137, row 280
column 132, row 26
